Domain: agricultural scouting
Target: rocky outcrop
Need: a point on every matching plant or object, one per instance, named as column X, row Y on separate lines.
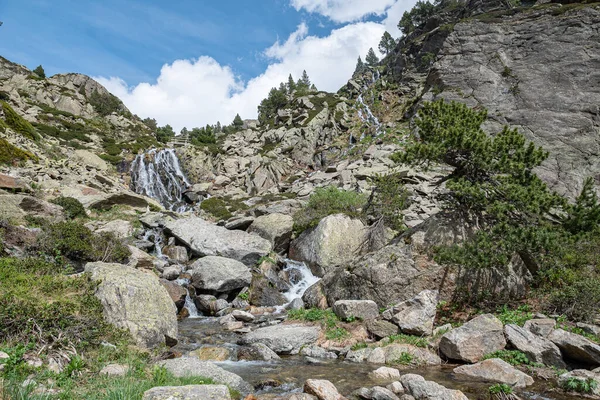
column 189, row 392
column 206, row 239
column 361, row 309
column 276, row 228
column 494, row 370
column 190, row 366
column 540, row 326
column 415, row 316
column 470, row 342
column 219, row 275
column 135, row 301
column 576, row 347
column 536, row 348
column 336, row 240
column 393, row 274
column 283, row 339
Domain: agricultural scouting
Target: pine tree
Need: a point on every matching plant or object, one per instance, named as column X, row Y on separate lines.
column 39, row 71
column 371, row 59
column 387, row 43
column 305, row 80
column 218, row 127
column 360, row 66
column 291, row 85
column 238, row 122
column 416, row 17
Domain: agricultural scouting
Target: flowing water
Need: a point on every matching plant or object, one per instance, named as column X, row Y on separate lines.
column 301, row 278
column 157, row 174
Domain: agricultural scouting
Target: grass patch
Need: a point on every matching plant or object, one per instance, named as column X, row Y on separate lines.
column 516, row 316
column 409, row 339
column 404, row 359
column 326, row 318
column 18, row 123
column 216, row 207
column 12, row 155
column 328, row 201
column 513, row 357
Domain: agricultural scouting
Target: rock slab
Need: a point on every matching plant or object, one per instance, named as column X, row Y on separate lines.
column 215, row 274
column 494, row 370
column 415, row 316
column 480, row 336
column 283, row 339
column 189, row 392
column 361, row 309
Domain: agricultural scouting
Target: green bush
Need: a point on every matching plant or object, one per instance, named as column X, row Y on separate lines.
column 513, row 357
column 517, row 316
column 10, row 154
column 216, row 207
column 500, row 388
column 105, row 104
column 39, row 71
column 17, row 123
column 579, row 301
column 328, row 201
column 71, row 206
column 580, row 385
column 76, row 242
column 388, row 199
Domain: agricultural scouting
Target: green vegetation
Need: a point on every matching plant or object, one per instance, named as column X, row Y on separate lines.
column 359, row 346
column 387, row 43
column 17, row 123
column 404, row 359
column 371, row 59
column 500, row 389
column 517, row 316
column 11, row 155
column 279, row 98
column 71, row 207
column 326, row 318
column 416, row 17
column 165, row 133
column 73, row 240
column 39, row 71
column 387, row 199
column 409, row 339
column 106, row 103
column 513, row 357
column 328, row 201
column 217, row 207
column 580, row 385
column 494, row 183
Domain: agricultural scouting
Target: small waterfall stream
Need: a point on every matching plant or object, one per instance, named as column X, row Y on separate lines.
column 302, row 279
column 157, row 174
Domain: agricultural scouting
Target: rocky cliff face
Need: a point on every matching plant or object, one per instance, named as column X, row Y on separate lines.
column 534, row 68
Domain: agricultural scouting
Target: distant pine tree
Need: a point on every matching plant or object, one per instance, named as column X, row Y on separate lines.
column 360, row 66
column 371, row 59
column 39, row 71
column 387, row 43
column 238, row 122
column 291, row 85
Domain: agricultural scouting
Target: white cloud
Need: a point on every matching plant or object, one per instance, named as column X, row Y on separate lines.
column 344, row 10
column 197, row 92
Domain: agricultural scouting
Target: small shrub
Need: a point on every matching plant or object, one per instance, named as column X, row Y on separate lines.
column 105, row 104
column 216, row 207
column 358, row 346
column 328, row 201
column 39, row 71
column 517, row 316
column 71, row 206
column 336, row 334
column 513, row 357
column 404, row 359
column 18, row 123
column 500, row 388
column 10, row 154
column 578, row 301
column 580, row 385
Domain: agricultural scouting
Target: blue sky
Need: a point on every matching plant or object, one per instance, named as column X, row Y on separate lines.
column 232, row 51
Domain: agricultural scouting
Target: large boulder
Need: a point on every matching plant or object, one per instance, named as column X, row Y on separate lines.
column 215, row 274
column 191, row 366
column 480, row 336
column 387, row 276
column 15, row 207
column 415, row 316
column 421, row 389
column 494, row 370
column 276, row 228
column 324, row 390
column 314, row 297
column 396, row 352
column 283, row 339
column 576, row 347
column 135, row 301
column 336, row 240
column 189, row 392
column 361, row 309
column 206, row 239
column 540, row 326
column 536, row 348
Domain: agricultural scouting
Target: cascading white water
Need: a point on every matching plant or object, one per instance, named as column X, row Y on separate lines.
column 303, row 280
column 157, row 174
column 189, row 303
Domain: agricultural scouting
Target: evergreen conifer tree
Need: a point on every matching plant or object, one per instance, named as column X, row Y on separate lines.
column 360, row 66
column 371, row 59
column 387, row 43
column 238, row 122
column 291, row 85
column 39, row 71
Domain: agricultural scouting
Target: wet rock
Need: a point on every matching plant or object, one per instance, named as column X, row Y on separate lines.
column 188, row 392
column 171, row 273
column 336, row 240
column 420, row 356
column 480, row 336
column 541, row 327
column 576, row 347
column 536, row 348
column 188, row 366
column 263, row 294
column 385, row 373
column 359, row 355
column 296, row 304
column 361, row 309
column 317, row 352
column 206, row 239
column 494, row 370
column 142, row 260
column 210, row 305
column 215, row 274
column 415, row 316
column 276, row 228
column 114, row 370
column 209, row 353
column 106, row 201
column 135, row 301
column 242, row 316
column 283, row 339
column 427, row 390
column 176, row 253
column 381, row 328
column 257, row 351
column 324, row 390
column 314, row 297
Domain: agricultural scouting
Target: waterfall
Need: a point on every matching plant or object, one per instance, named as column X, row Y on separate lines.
column 157, row 174
column 301, row 280
column 189, row 303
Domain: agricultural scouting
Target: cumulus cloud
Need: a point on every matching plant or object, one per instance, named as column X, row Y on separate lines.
column 344, row 10
column 196, row 92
